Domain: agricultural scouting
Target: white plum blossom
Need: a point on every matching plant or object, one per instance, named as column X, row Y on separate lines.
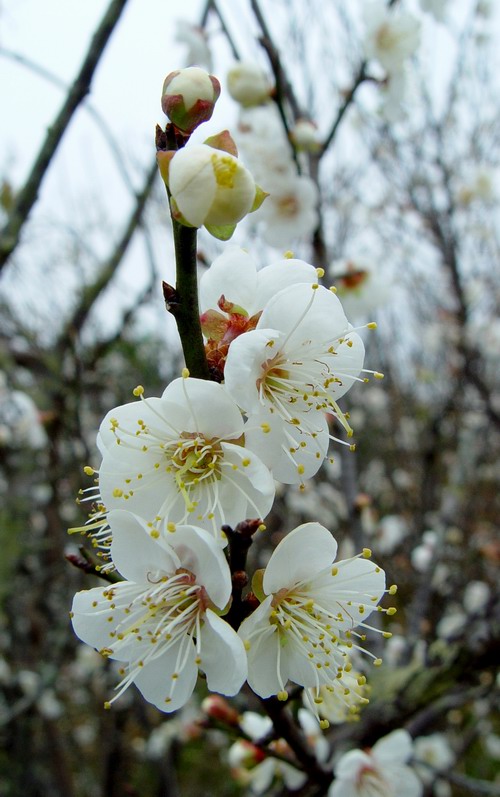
column 163, row 620
column 303, row 630
column 391, row 35
column 290, row 211
column 209, row 186
column 432, row 754
column 359, row 288
column 233, row 294
column 291, row 370
column 20, row 424
column 379, row 772
column 261, row 137
column 234, row 275
column 248, row 84
column 248, row 760
column 180, row 459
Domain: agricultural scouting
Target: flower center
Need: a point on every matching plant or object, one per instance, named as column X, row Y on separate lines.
column 224, row 170
column 168, row 614
column 288, row 206
column 193, row 459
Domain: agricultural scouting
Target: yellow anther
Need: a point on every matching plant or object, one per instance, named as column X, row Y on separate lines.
column 324, row 725
column 107, row 705
column 245, row 462
column 300, row 469
column 320, row 272
column 378, row 375
column 117, row 493
column 138, row 391
column 352, row 447
column 282, row 696
column 372, row 325
column 391, row 610
column 315, row 286
column 154, row 534
column 88, row 470
column 387, row 634
column 262, row 527
column 377, row 662
column 288, row 255
column 367, row 553
column 185, row 373
column 393, row 589
column 333, row 289
column 265, row 428
column 246, row 645
column 171, row 526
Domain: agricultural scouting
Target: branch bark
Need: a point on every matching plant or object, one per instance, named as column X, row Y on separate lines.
column 11, row 233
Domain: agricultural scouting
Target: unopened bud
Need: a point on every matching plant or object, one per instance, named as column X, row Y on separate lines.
column 209, row 187
column 248, row 84
column 189, row 96
column 305, row 136
column 215, row 707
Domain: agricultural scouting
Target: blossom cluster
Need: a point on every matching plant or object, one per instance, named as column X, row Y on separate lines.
column 178, row 469
column 182, row 474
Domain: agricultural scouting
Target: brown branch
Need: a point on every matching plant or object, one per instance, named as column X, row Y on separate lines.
column 349, row 98
column 10, row 235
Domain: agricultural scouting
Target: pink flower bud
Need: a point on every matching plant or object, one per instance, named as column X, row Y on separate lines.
column 219, row 709
column 189, row 96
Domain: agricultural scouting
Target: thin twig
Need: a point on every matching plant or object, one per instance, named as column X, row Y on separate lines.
column 10, row 235
column 92, row 292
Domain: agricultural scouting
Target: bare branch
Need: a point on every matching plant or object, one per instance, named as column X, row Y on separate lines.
column 10, row 235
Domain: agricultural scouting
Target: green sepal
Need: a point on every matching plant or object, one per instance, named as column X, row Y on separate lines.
column 257, row 581
column 223, row 141
column 260, row 195
column 221, row 231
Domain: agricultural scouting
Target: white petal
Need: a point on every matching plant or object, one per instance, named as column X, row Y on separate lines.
column 206, row 408
column 199, row 553
column 127, row 416
column 91, row 611
column 263, row 775
column 223, row 656
column 292, row 777
column 340, row 788
column 275, row 277
column 351, row 763
column 255, row 726
column 252, row 480
column 134, row 552
column 246, row 357
column 192, row 182
column 262, row 651
column 300, row 556
column 396, row 746
column 233, row 275
column 155, row 679
column 404, row 781
column 309, row 441
column 359, row 581
column 302, row 313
